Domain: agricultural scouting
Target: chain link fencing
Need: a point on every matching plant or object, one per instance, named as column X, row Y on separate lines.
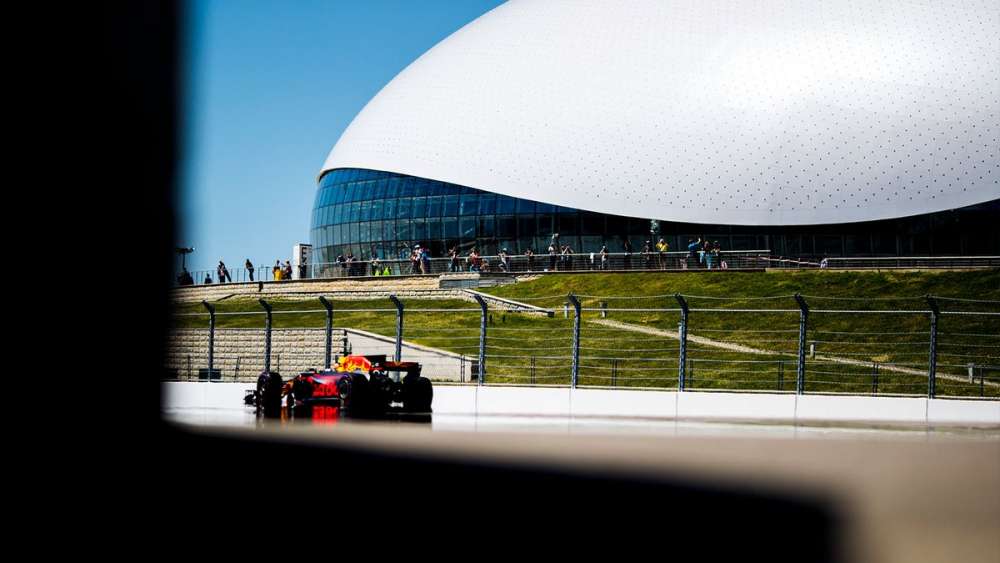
column 918, row 346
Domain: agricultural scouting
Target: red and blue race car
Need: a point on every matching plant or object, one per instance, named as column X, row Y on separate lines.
column 365, row 386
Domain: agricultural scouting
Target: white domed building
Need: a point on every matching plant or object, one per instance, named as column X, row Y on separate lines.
column 838, row 129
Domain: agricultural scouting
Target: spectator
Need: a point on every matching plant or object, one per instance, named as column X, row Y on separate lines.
column 454, row 267
column 475, row 262
column 706, row 248
column 627, row 248
column 604, row 257
column 504, row 261
column 349, row 263
column 386, row 271
column 555, row 240
column 208, row 278
column 425, row 260
column 415, row 260
column 693, row 246
column 531, row 259
column 567, row 254
column 249, row 266
column 222, row 273
column 376, row 266
column 647, row 255
column 342, row 263
column 552, row 258
column 276, row 271
column 288, row 271
column 593, row 263
column 824, row 263
column 485, row 267
column 662, row 248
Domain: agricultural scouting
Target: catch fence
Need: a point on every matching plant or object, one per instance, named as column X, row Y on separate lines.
column 915, row 346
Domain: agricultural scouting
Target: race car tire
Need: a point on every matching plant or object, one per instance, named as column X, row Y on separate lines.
column 359, row 395
column 344, row 391
column 419, row 396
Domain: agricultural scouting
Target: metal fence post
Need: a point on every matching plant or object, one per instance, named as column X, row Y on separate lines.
column 932, row 361
column 211, row 336
column 575, row 373
column 800, row 370
column 267, row 335
column 683, row 338
column 482, row 338
column 329, row 331
column 399, row 326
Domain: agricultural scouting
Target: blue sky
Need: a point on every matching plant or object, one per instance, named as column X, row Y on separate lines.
column 270, row 86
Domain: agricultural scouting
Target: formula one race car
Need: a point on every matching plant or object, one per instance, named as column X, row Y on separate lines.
column 362, row 386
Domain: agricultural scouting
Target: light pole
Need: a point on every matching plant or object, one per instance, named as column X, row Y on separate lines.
column 184, row 252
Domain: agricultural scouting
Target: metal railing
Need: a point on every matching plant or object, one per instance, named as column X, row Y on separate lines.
column 885, row 262
column 915, row 346
column 618, row 261
column 583, row 262
column 260, row 273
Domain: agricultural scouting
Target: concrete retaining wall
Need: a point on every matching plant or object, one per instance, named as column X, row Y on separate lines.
column 291, row 288
column 501, row 304
column 239, row 352
column 563, row 402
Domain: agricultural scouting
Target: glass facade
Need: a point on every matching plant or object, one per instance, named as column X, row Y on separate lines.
column 368, row 212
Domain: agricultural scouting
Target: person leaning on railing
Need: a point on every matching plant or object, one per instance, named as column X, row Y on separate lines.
column 692, row 247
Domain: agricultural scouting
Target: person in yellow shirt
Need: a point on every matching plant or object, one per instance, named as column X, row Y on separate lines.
column 662, row 248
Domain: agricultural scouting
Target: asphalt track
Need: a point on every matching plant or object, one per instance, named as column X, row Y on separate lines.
column 244, row 417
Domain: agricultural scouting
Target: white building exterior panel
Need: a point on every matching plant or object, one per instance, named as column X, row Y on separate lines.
column 708, row 111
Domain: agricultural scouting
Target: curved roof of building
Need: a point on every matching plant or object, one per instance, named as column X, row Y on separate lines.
column 704, row 111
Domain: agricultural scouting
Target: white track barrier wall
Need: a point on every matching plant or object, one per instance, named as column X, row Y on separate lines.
column 563, row 402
